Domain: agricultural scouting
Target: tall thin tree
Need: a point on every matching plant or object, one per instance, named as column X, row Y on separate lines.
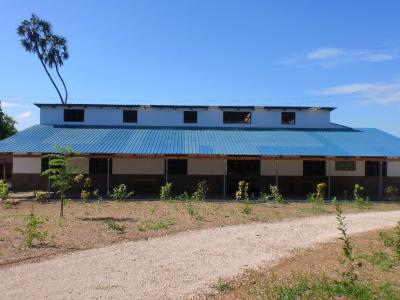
column 51, row 49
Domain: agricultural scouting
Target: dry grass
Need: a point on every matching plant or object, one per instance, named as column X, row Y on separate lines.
column 90, row 225
column 311, row 264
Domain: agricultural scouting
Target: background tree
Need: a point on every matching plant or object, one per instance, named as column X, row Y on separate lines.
column 61, row 173
column 7, row 125
column 51, row 49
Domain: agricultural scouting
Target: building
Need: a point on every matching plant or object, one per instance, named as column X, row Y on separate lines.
column 145, row 146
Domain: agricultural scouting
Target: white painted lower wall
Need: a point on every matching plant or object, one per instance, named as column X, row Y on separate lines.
column 393, row 168
column 360, row 169
column 27, row 165
column 284, row 167
column 138, row 166
column 207, row 167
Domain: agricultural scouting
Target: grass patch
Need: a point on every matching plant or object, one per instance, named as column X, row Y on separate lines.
column 316, row 210
column 222, row 286
column 151, row 225
column 119, row 228
column 382, row 260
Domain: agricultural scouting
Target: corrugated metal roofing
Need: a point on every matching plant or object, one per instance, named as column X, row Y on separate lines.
column 204, row 141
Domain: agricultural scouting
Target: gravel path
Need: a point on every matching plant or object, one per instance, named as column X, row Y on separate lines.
column 175, row 266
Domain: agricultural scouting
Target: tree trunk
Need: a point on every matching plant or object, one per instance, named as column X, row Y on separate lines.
column 62, row 81
column 62, row 205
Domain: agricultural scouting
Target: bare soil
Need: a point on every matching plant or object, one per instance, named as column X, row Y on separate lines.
column 84, row 225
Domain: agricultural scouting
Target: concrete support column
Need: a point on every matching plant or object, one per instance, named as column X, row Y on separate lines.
column 224, row 186
column 380, row 180
column 4, row 169
column 166, row 170
column 276, row 174
column 108, row 177
column 329, row 179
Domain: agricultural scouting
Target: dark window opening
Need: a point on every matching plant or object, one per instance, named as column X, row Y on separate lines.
column 345, row 165
column 237, row 117
column 288, row 118
column 74, row 115
column 99, row 166
column 45, row 164
column 177, row 166
column 372, row 168
column 130, row 116
column 314, row 168
column 190, row 117
column 243, row 167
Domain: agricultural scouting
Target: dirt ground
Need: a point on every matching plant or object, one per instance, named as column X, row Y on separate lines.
column 85, row 224
column 323, row 260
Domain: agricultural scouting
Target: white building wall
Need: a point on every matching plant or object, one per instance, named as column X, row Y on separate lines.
column 27, row 165
column 207, row 167
column 360, row 169
column 138, row 166
column 206, row 117
column 393, row 168
column 284, row 167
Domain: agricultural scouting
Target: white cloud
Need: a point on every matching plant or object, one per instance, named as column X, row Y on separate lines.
column 24, row 115
column 383, row 93
column 330, row 57
column 6, row 104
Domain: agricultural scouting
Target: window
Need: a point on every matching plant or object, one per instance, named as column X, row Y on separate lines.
column 314, row 168
column 372, row 168
column 74, row 115
column 177, row 166
column 99, row 166
column 345, row 165
column 237, row 117
column 243, row 167
column 130, row 116
column 190, row 117
column 288, row 118
column 44, row 163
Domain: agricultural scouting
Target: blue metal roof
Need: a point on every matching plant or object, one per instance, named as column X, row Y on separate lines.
column 204, row 141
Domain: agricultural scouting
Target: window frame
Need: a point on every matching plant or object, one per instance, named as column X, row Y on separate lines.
column 176, row 169
column 78, row 117
column 374, row 171
column 190, row 120
column 230, row 120
column 126, row 118
column 345, row 168
column 312, row 164
column 288, row 122
column 92, row 166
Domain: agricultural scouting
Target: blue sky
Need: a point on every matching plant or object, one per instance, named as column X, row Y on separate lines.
column 325, row 53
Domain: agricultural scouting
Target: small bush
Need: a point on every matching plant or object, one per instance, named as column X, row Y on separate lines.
column 41, row 196
column 120, row 193
column 97, row 196
column 32, row 230
column 246, row 208
column 183, row 197
column 358, row 195
column 242, row 192
column 119, row 228
column 201, row 191
column 318, row 197
column 166, row 191
column 151, row 225
column 276, row 195
column 4, row 191
column 392, row 192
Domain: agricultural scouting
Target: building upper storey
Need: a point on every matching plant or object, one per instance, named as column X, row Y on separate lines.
column 186, row 116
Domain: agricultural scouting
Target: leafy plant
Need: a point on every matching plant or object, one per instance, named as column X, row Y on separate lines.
column 276, row 195
column 184, row 196
column 120, row 193
column 97, row 196
column 358, row 196
column 246, row 208
column 201, row 191
column 86, row 186
column 166, row 191
column 4, row 191
column 392, row 241
column 119, row 228
column 32, row 230
column 151, row 225
column 41, row 196
column 318, row 197
column 61, row 173
column 242, row 192
column 392, row 192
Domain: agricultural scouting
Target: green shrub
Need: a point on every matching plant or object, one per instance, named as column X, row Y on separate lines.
column 242, row 192
column 166, row 191
column 276, row 195
column 318, row 197
column 151, row 225
column 246, row 208
column 119, row 228
column 97, row 196
column 184, row 196
column 392, row 192
column 4, row 191
column 120, row 193
column 32, row 230
column 201, row 191
column 358, row 194
column 41, row 196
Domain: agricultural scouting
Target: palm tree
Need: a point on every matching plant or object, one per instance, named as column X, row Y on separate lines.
column 38, row 38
